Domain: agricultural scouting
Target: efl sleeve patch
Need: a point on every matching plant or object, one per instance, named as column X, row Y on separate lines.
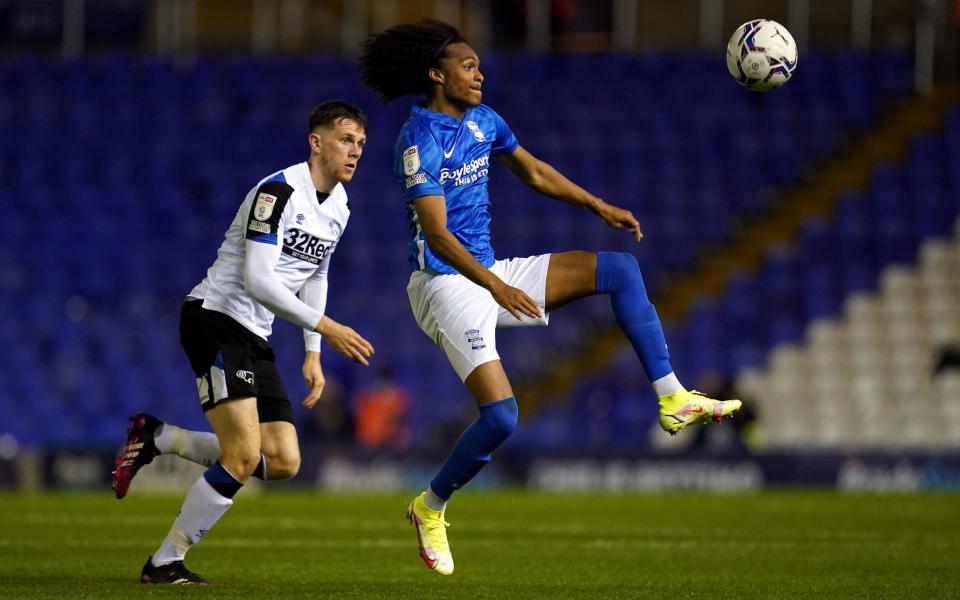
column 265, row 212
column 417, row 164
column 411, row 161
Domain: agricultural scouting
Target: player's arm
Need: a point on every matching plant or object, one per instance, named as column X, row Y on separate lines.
column 432, row 216
column 265, row 287
column 314, row 293
column 264, row 236
column 542, row 177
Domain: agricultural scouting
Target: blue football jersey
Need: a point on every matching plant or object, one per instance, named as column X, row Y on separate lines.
column 439, row 155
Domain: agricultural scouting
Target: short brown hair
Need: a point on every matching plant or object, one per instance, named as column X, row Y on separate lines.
column 331, row 111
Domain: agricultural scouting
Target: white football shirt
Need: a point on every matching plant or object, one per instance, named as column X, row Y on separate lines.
column 287, row 222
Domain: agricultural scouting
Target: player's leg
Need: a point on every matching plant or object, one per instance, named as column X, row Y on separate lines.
column 491, row 389
column 222, row 354
column 279, row 446
column 236, row 425
column 149, row 437
column 461, row 317
column 280, row 449
column 574, row 275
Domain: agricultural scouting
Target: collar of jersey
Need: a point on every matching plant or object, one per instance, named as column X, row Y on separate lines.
column 439, row 116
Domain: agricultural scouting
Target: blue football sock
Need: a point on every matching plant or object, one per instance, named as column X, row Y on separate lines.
column 472, row 451
column 618, row 274
column 221, row 480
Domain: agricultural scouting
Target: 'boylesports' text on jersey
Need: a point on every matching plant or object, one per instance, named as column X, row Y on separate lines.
column 285, row 209
column 439, row 155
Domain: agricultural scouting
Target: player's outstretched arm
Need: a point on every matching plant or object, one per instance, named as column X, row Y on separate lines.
column 432, row 216
column 542, row 177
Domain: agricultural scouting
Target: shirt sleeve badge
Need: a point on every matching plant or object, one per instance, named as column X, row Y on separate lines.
column 411, row 161
column 264, row 207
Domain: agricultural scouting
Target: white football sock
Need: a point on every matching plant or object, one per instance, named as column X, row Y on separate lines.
column 433, row 501
column 201, row 509
column 668, row 384
column 201, row 447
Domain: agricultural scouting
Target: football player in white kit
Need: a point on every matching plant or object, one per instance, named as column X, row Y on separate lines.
column 279, row 244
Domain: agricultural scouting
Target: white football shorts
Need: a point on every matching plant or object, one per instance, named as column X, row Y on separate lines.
column 462, row 318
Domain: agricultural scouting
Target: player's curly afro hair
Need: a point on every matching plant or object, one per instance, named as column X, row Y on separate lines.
column 396, row 62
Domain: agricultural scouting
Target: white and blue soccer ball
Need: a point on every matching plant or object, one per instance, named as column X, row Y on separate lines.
column 761, row 55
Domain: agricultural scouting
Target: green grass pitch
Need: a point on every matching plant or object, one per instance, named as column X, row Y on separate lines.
column 284, row 544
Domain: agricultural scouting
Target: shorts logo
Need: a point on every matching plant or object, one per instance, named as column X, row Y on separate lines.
column 417, row 179
column 411, row 161
column 475, row 339
column 246, row 376
column 203, row 388
column 475, row 130
column 264, row 207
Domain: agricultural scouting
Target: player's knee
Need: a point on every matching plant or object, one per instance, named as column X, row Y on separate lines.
column 626, row 265
column 617, row 271
column 500, row 418
column 240, row 461
column 283, row 465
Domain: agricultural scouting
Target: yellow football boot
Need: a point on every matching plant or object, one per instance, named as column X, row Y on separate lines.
column 688, row 407
column 432, row 535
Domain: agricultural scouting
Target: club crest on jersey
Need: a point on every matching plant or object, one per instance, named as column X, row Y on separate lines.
column 264, row 207
column 411, row 161
column 335, row 229
column 475, row 130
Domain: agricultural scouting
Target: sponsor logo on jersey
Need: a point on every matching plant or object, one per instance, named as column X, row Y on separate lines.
column 476, row 131
column 245, row 376
column 264, row 207
column 411, row 161
column 259, row 227
column 416, row 179
column 467, row 172
column 302, row 245
column 475, row 339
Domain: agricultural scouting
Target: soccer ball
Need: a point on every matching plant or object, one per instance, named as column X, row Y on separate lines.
column 761, row 55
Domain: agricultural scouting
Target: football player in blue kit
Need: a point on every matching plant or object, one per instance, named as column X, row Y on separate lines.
column 279, row 245
column 459, row 292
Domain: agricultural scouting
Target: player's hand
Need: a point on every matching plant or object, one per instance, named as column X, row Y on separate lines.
column 345, row 340
column 515, row 300
column 620, row 218
column 313, row 375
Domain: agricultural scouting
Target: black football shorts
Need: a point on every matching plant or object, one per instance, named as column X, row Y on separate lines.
column 231, row 362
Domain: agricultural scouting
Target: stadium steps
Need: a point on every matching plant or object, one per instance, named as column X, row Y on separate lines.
column 863, row 380
column 745, row 250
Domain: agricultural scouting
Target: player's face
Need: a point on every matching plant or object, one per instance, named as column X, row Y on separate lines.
column 462, row 79
column 340, row 148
